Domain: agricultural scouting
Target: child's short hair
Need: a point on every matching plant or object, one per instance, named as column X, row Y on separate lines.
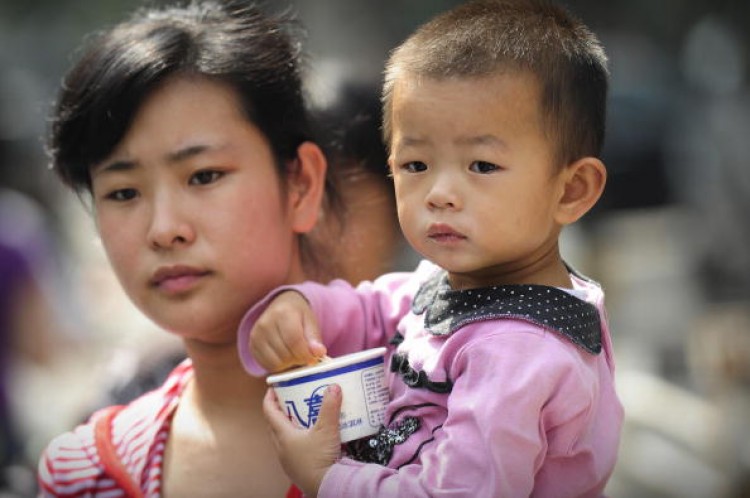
column 482, row 37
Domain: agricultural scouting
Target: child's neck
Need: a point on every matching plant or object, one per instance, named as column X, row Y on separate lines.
column 553, row 274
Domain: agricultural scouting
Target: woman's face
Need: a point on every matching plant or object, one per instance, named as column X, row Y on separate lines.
column 192, row 212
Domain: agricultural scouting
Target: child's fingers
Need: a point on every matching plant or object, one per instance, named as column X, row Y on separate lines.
column 265, row 348
column 287, row 340
column 270, row 402
column 279, row 338
column 275, row 416
column 305, row 454
column 293, row 335
column 303, row 337
column 267, row 357
column 330, row 410
column 273, row 344
column 312, row 337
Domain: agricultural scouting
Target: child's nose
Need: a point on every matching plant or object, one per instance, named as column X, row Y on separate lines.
column 443, row 194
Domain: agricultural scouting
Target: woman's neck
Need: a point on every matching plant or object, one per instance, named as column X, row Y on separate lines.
column 218, row 435
column 220, row 383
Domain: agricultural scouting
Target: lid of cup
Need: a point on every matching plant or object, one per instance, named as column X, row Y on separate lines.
column 325, row 365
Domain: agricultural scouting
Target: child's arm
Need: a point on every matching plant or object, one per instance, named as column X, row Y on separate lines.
column 343, row 318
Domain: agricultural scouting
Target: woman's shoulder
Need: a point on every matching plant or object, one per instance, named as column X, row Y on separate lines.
column 146, row 414
column 71, row 460
column 155, row 401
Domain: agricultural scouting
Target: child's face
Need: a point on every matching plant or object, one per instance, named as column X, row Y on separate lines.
column 475, row 182
column 191, row 213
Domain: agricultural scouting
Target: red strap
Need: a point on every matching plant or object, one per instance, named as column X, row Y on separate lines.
column 113, row 467
column 294, row 492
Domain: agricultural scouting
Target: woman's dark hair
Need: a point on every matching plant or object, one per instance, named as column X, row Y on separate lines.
column 232, row 42
column 349, row 131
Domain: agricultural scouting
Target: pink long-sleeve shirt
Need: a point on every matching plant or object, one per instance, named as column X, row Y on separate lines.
column 502, row 392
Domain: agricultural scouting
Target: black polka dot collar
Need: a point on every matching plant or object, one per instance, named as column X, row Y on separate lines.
column 447, row 310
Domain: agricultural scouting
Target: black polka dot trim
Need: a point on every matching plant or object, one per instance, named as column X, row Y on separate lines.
column 446, row 310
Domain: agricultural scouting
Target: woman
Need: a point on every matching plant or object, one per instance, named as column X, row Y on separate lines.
column 187, row 129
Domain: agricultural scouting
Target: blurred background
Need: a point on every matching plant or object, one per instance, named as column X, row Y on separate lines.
column 669, row 242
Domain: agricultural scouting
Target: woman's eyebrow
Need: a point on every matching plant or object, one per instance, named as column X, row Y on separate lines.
column 118, row 165
column 176, row 156
column 188, row 152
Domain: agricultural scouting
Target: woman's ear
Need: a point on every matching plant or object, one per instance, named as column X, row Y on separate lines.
column 583, row 184
column 306, row 185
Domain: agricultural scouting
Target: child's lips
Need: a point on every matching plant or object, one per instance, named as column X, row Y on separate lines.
column 441, row 232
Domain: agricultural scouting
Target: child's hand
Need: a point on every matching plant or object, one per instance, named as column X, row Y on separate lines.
column 286, row 334
column 306, row 454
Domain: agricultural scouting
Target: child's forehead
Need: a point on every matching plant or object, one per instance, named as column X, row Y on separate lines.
column 504, row 105
column 485, row 83
column 491, row 91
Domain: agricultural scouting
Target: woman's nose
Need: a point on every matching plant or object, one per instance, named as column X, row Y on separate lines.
column 171, row 225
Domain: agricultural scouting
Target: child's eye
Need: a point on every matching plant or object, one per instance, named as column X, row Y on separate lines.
column 122, row 195
column 414, row 166
column 205, row 177
column 483, row 167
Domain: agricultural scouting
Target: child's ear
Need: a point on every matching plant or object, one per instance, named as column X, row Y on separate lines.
column 306, row 185
column 583, row 183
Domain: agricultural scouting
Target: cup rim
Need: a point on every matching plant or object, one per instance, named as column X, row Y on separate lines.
column 324, row 366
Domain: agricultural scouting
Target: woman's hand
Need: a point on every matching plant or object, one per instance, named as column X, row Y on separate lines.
column 306, row 454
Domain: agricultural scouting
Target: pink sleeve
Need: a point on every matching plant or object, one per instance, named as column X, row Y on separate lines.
column 350, row 319
column 509, row 390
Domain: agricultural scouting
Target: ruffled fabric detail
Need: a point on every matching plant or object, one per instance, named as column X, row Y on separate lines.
column 379, row 448
column 446, row 310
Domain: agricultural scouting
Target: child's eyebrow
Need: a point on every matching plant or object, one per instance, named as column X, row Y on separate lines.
column 481, row 140
column 411, row 141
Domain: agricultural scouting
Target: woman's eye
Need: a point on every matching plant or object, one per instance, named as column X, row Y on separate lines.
column 483, row 167
column 414, row 166
column 205, row 177
column 122, row 195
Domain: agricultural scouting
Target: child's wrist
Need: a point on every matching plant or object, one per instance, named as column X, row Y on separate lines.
column 316, row 480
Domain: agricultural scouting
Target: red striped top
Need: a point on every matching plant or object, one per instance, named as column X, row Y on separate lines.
column 70, row 465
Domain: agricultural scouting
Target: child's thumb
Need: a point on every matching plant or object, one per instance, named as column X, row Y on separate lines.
column 330, row 411
column 312, row 336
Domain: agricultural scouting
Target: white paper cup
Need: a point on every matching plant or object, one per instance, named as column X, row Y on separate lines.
column 365, row 392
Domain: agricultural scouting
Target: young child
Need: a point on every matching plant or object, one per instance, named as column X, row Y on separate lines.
column 501, row 363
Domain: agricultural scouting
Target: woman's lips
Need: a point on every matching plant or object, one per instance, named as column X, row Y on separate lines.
column 177, row 279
